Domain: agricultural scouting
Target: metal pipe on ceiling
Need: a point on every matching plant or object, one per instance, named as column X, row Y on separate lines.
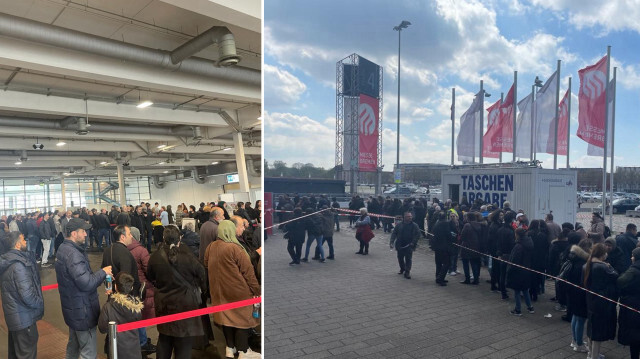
column 216, row 35
column 34, row 31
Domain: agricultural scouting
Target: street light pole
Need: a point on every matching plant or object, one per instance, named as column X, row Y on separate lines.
column 403, row 25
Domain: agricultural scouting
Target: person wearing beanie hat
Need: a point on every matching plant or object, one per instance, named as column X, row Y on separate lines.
column 614, row 255
column 628, row 284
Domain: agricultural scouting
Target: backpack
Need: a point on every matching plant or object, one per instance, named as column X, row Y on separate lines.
column 607, row 232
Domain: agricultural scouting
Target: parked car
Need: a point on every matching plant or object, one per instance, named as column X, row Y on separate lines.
column 623, row 205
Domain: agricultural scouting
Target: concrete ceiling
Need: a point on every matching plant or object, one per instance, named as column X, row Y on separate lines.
column 47, row 88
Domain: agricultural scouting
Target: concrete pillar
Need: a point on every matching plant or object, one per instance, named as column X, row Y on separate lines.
column 123, row 192
column 240, row 162
column 63, row 188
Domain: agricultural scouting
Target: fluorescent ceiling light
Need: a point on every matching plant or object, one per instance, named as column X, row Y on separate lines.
column 165, row 172
column 103, row 162
column 18, row 163
column 61, row 143
column 162, row 146
column 161, row 163
column 215, row 163
column 66, row 174
column 144, row 104
column 227, row 149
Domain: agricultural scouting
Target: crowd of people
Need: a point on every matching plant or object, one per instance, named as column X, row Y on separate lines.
column 214, row 258
column 595, row 268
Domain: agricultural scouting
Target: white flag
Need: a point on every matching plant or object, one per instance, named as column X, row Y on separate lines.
column 545, row 113
column 593, row 150
column 523, row 129
column 468, row 142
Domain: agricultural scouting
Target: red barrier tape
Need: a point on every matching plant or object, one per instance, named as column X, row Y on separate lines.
column 185, row 315
column 49, row 287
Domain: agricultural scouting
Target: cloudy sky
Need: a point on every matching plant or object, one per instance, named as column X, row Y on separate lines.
column 451, row 43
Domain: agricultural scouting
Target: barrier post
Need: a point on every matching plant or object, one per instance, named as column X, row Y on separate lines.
column 113, row 341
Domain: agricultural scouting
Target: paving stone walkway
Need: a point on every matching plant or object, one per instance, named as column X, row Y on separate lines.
column 358, row 307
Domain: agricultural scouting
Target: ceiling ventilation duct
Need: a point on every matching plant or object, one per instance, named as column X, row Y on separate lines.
column 157, row 183
column 196, row 176
column 23, row 156
column 187, row 158
column 220, row 35
column 82, row 126
column 197, row 133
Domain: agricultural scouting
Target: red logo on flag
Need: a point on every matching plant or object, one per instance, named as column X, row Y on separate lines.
column 592, row 110
column 368, row 133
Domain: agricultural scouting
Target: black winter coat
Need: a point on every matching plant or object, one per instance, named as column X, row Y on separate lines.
column 173, row 292
column 615, row 258
column 22, row 301
column 313, row 224
column 627, row 242
column 295, row 231
column 123, row 309
column 77, row 285
column 45, row 230
column 628, row 321
column 138, row 222
column 555, row 256
column 123, row 219
column 522, row 254
column 405, row 235
column 471, row 237
column 506, row 240
column 492, row 238
column 601, row 313
column 32, row 228
column 576, row 297
column 444, row 237
column 540, row 250
column 192, row 240
column 121, row 260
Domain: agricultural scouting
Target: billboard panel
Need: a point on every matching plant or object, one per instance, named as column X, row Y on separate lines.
column 368, row 134
column 368, row 78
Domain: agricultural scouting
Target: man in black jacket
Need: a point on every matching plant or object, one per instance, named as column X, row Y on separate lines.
column 119, row 258
column 103, row 226
column 21, row 297
column 505, row 242
column 627, row 242
column 405, row 236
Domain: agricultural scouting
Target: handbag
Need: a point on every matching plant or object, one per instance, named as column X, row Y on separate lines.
column 195, row 292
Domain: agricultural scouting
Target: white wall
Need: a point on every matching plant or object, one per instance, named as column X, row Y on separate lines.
column 190, row 192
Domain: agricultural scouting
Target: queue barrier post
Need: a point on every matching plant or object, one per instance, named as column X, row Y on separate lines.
column 113, row 341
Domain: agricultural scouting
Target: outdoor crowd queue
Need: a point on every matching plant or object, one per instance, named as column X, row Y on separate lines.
column 598, row 269
column 215, row 257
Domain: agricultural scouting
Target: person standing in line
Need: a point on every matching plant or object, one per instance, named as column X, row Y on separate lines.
column 77, row 285
column 33, row 235
column 506, row 241
column 495, row 222
column 629, row 321
column 364, row 232
column 599, row 277
column 455, row 220
column 576, row 299
column 442, row 245
column 553, row 227
column 313, row 224
column 518, row 278
column 596, row 233
column 295, row 231
column 627, row 242
column 209, row 231
column 405, row 240
column 471, row 236
column 540, row 237
column 334, row 205
column 22, row 299
column 328, row 220
column 45, row 237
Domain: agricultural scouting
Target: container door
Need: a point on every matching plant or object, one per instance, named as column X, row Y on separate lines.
column 454, row 192
column 557, row 202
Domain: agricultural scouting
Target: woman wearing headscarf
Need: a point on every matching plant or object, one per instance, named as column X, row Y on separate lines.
column 364, row 231
column 231, row 279
column 178, row 278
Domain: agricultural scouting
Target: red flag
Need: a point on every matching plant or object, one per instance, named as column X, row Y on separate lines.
column 505, row 137
column 563, row 127
column 591, row 113
column 489, row 145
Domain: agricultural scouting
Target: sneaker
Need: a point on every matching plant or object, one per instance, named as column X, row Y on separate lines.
column 531, row 311
column 315, row 258
column 560, row 308
column 581, row 348
column 505, row 297
column 230, row 352
column 292, row 263
column 304, row 260
column 322, row 260
column 407, row 275
column 330, row 257
column 573, row 344
column 249, row 354
column 452, row 273
column 517, row 313
column 46, row 265
column 148, row 348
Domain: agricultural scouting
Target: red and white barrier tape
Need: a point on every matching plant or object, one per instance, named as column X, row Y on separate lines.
column 297, row 218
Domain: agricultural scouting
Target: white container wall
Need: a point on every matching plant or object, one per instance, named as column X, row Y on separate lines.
column 536, row 191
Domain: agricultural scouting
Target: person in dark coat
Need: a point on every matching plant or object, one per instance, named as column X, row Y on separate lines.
column 471, row 236
column 495, row 222
column 405, row 240
column 313, row 224
column 364, row 232
column 627, row 242
column 615, row 255
column 119, row 258
column 22, row 300
column 45, row 238
column 178, row 278
column 295, row 232
column 628, row 321
column 442, row 245
column 540, row 237
column 518, row 278
column 599, row 277
column 77, row 285
column 191, row 239
column 137, row 219
column 328, row 221
column 123, row 307
column 209, row 231
column 576, row 297
column 505, row 242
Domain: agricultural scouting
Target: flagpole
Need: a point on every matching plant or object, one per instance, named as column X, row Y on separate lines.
column 482, row 117
column 555, row 138
column 499, row 114
column 613, row 141
column 514, row 107
column 533, row 103
column 453, row 120
column 569, row 121
column 606, row 133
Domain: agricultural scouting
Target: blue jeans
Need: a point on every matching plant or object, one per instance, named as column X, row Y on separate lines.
column 103, row 233
column 32, row 243
column 577, row 328
column 142, row 333
column 527, row 298
column 149, row 240
column 453, row 266
column 336, row 218
column 318, row 246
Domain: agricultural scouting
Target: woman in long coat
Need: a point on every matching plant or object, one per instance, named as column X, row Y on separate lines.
column 178, row 278
column 518, row 278
column 600, row 277
column 628, row 321
column 231, row 279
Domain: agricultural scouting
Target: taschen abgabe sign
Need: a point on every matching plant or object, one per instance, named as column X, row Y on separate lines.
column 489, row 188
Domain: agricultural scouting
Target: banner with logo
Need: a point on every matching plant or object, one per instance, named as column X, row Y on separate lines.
column 593, row 150
column 523, row 146
column 592, row 100
column 563, row 127
column 505, row 138
column 368, row 134
column 468, row 140
column 490, row 145
column 545, row 114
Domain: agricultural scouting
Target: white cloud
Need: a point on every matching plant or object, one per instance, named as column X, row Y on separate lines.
column 605, row 15
column 281, row 87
